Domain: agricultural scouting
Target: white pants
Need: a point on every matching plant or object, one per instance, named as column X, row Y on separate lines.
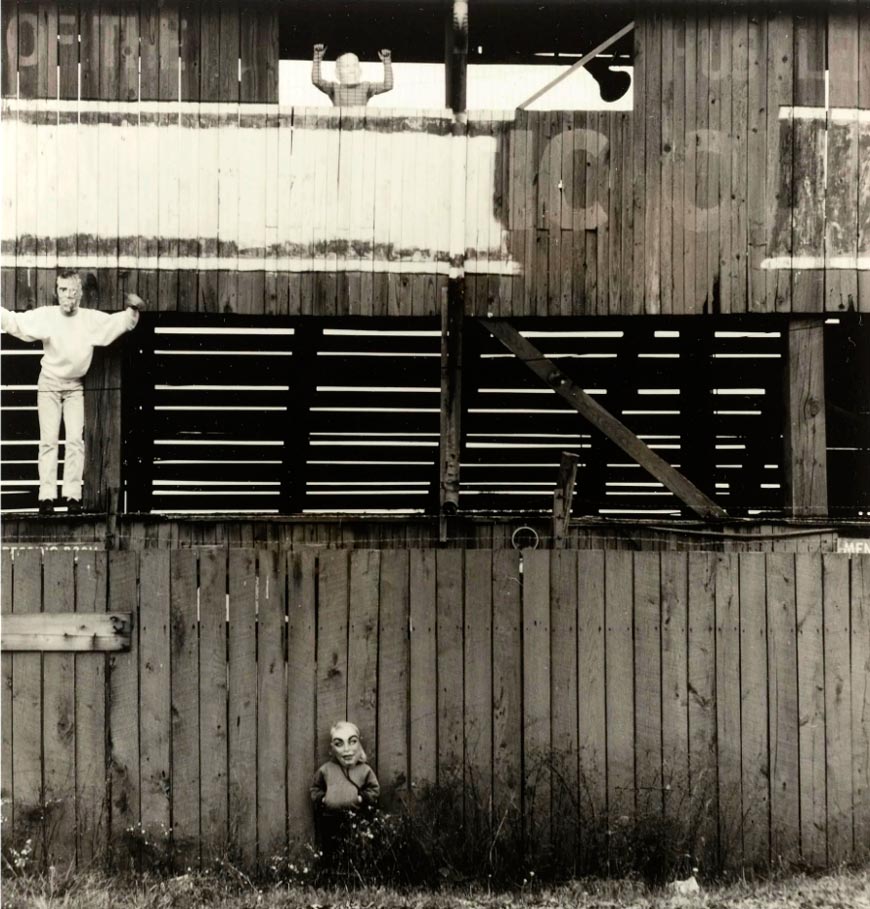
column 56, row 397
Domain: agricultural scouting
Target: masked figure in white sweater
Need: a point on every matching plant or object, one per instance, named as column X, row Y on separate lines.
column 69, row 334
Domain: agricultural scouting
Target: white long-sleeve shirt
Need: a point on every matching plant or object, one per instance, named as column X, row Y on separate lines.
column 68, row 341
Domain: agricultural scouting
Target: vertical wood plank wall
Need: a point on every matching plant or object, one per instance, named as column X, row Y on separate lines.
column 730, row 187
column 660, row 682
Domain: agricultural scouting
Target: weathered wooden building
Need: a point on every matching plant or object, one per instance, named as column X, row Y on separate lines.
column 321, row 473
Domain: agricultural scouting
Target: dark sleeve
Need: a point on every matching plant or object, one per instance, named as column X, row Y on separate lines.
column 378, row 88
column 324, row 85
column 318, row 787
column 370, row 789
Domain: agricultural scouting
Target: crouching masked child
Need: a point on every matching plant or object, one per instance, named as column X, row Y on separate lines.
column 343, row 788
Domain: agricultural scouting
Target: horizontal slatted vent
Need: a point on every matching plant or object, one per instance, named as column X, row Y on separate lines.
column 315, row 416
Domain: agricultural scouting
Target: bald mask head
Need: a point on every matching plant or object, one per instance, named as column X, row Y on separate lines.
column 348, row 70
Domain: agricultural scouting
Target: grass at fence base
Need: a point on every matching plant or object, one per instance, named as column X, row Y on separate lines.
column 845, row 890
column 452, row 833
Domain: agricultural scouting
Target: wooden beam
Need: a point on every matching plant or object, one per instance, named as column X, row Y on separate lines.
column 602, row 419
column 563, row 496
column 456, row 56
column 452, row 310
column 581, row 62
column 805, row 448
column 67, row 631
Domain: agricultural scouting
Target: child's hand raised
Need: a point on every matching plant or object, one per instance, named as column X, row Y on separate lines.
column 385, row 55
column 319, row 50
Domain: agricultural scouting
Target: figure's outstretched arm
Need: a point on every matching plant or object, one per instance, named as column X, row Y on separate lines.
column 26, row 326
column 109, row 327
column 378, row 88
column 316, row 76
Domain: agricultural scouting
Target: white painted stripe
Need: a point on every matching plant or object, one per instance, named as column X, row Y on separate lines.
column 848, row 263
column 788, row 112
column 212, row 108
column 215, row 263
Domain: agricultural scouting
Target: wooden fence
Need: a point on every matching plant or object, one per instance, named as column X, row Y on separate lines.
column 656, row 677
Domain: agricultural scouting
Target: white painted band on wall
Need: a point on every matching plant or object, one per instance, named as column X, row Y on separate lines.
column 280, row 265
column 848, row 263
column 848, row 114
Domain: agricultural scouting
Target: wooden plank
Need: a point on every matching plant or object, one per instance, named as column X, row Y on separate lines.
column 61, row 632
column 9, row 67
column 805, row 456
column 7, row 781
column 736, row 300
column 213, row 702
column 168, row 48
column 123, row 702
column 839, row 730
column 27, row 705
column 619, row 679
column 26, row 32
column 452, row 321
column 843, row 165
column 652, row 203
column 450, row 621
column 756, row 155
column 864, row 157
column 190, row 50
column 614, row 242
column 302, row 678
column 155, row 694
column 721, row 254
column 780, row 184
column 755, row 755
column 564, row 733
column 648, row 677
column 666, row 211
column 59, row 720
column 675, row 692
column 808, row 212
column 702, row 688
column 811, row 706
column 228, row 205
column 478, row 674
column 860, row 683
column 210, row 52
column 591, row 678
column 332, row 621
column 242, row 703
column 128, row 82
column 537, row 782
column 783, row 707
column 636, row 152
column 393, row 660
column 727, row 599
column 362, row 657
column 616, row 431
column 271, row 708
column 184, row 741
column 507, row 683
column 47, row 48
column 424, row 668
column 149, row 53
column 259, row 53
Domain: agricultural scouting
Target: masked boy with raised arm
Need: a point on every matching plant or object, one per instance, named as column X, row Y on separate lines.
column 69, row 334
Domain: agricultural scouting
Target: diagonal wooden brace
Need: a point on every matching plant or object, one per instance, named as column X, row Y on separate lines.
column 602, row 419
